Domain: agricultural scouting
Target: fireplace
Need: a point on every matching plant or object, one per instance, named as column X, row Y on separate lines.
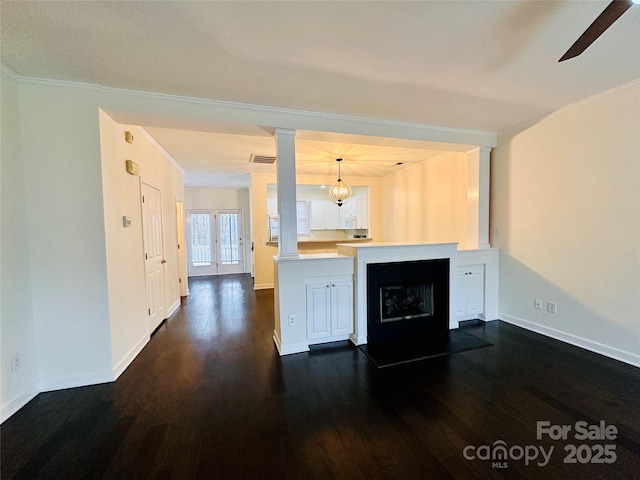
column 407, row 299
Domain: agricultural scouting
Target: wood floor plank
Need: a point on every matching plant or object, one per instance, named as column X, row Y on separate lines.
column 209, row 397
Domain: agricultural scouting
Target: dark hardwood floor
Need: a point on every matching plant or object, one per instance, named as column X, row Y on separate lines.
column 209, row 397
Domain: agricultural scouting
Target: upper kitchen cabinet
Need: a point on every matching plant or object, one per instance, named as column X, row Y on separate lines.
column 324, row 215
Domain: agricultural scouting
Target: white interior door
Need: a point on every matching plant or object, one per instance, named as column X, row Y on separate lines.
column 154, row 260
column 229, row 244
column 200, row 242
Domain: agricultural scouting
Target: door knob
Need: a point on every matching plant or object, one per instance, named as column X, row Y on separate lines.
column 163, row 261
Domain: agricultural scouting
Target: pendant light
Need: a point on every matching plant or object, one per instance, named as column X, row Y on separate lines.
column 340, row 192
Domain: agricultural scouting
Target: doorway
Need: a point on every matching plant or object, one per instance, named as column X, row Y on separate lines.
column 214, row 240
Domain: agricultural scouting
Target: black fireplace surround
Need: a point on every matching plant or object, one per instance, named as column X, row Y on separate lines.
column 407, row 300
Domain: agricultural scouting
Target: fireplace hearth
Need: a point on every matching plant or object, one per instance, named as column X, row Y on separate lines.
column 407, row 300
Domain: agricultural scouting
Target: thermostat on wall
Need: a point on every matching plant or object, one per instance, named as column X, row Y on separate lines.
column 126, row 221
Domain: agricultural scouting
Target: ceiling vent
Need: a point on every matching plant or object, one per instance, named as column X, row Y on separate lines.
column 262, row 159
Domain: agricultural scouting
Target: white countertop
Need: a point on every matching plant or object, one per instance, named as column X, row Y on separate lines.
column 306, row 257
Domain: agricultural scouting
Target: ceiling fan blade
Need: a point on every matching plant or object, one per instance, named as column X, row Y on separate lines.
column 610, row 14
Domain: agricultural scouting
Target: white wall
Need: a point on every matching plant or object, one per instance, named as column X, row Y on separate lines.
column 221, row 199
column 427, row 202
column 125, row 265
column 66, row 235
column 17, row 330
column 566, row 203
column 66, row 259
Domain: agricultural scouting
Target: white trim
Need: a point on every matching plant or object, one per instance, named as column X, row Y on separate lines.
column 289, row 349
column 129, row 357
column 598, row 95
column 17, row 403
column 173, row 308
column 163, row 152
column 10, row 73
column 276, row 340
column 365, row 125
column 263, row 286
column 335, row 338
column 76, row 381
column 521, row 127
column 596, row 347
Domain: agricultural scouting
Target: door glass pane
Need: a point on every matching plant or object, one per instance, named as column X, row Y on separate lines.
column 229, row 248
column 200, row 240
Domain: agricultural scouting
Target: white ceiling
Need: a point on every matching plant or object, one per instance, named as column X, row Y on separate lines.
column 483, row 65
column 222, row 159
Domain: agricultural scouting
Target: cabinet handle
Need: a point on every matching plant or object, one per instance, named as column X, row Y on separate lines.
column 333, row 284
column 327, row 285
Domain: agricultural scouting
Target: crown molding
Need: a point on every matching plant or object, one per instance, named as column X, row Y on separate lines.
column 294, row 118
column 624, row 86
column 516, row 129
column 162, row 150
column 6, row 70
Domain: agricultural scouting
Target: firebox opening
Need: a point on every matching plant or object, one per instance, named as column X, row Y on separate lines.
column 405, row 300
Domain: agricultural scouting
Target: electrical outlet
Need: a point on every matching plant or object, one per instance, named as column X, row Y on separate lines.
column 16, row 362
column 552, row 307
column 496, row 232
column 292, row 320
column 538, row 304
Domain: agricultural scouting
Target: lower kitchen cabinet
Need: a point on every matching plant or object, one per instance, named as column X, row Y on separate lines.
column 329, row 310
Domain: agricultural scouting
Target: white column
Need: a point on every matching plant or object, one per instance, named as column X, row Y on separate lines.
column 286, row 178
column 478, row 169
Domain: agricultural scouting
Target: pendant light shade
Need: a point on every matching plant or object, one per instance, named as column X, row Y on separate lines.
column 340, row 192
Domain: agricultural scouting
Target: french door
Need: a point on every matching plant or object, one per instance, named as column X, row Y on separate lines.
column 215, row 243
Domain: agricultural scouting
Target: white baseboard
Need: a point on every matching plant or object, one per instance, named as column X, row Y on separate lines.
column 356, row 340
column 76, row 381
column 262, row 286
column 173, row 307
column 129, row 357
column 289, row 349
column 607, row 351
column 17, row 403
column 335, row 338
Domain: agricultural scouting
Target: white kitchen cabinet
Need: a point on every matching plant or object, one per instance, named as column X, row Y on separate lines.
column 324, row 215
column 362, row 210
column 358, row 206
column 329, row 309
column 470, row 295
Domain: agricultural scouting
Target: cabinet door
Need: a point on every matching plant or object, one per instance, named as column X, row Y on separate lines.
column 317, row 210
column 470, row 301
column 341, row 308
column 475, row 290
column 363, row 220
column 332, row 215
column 343, row 213
column 318, row 310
